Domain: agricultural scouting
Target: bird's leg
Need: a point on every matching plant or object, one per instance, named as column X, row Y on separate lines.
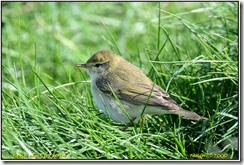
column 142, row 120
column 129, row 124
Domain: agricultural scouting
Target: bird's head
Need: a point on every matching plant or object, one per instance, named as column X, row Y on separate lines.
column 100, row 63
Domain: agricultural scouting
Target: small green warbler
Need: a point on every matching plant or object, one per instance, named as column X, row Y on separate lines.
column 112, row 76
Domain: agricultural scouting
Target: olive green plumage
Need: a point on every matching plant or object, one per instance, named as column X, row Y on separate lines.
column 130, row 84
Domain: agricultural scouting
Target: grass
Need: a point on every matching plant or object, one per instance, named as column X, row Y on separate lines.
column 190, row 49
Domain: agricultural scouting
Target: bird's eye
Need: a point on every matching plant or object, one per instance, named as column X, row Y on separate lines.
column 97, row 65
column 100, row 64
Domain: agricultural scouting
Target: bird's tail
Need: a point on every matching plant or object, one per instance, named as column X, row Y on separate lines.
column 190, row 115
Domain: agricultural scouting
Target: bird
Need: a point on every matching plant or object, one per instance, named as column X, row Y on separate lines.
column 124, row 93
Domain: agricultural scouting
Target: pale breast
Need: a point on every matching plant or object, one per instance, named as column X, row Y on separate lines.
column 110, row 107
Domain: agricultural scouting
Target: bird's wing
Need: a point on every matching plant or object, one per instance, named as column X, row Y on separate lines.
column 138, row 93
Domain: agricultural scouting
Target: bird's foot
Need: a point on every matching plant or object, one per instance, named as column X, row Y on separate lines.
column 129, row 124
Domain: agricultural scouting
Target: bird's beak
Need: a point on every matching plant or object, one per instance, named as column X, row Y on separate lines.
column 82, row 65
